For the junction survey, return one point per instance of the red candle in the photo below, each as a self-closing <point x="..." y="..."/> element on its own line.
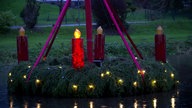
<point x="77" y="50"/>
<point x="22" y="46"/>
<point x="99" y="45"/>
<point x="160" y="45"/>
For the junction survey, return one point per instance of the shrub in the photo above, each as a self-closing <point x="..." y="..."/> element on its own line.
<point x="7" y="18"/>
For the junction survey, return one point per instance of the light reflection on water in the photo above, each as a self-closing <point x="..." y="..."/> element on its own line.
<point x="161" y="100"/>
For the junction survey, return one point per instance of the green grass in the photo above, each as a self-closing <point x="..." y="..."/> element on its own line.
<point x="176" y="30"/>
<point x="47" y="15"/>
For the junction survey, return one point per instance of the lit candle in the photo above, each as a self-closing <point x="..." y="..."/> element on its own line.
<point x="22" y="46"/>
<point x="77" y="50"/>
<point x="160" y="45"/>
<point x="99" y="44"/>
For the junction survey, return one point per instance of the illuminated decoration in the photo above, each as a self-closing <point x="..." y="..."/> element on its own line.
<point x="10" y="74"/>
<point x="29" y="66"/>
<point x="60" y="67"/>
<point x="24" y="76"/>
<point x="165" y="70"/>
<point x="22" y="46"/>
<point x="177" y="82"/>
<point x="77" y="50"/>
<point x="135" y="84"/>
<point x="91" y="86"/>
<point x="37" y="81"/>
<point x="99" y="44"/>
<point x="160" y="45"/>
<point x="11" y="80"/>
<point x="172" y="75"/>
<point x="154" y="103"/>
<point x="102" y="75"/>
<point x="75" y="87"/>
<point x="108" y="73"/>
<point x="153" y="82"/>
<point x="142" y="72"/>
<point x="136" y="58"/>
<point x="120" y="81"/>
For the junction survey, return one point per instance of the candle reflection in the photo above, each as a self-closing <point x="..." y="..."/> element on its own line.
<point x="11" y="104"/>
<point x="172" y="102"/>
<point x="135" y="104"/>
<point x="75" y="105"/>
<point x="120" y="105"/>
<point x="91" y="104"/>
<point x="38" y="105"/>
<point x="155" y="103"/>
<point x="25" y="105"/>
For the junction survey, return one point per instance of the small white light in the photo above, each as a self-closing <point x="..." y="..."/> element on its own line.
<point x="75" y="87"/>
<point x="24" y="76"/>
<point x="172" y="75"/>
<point x="135" y="84"/>
<point x="29" y="66"/>
<point x="37" y="81"/>
<point x="108" y="73"/>
<point x="120" y="81"/>
<point x="102" y="75"/>
<point x="60" y="67"/>
<point x="10" y="74"/>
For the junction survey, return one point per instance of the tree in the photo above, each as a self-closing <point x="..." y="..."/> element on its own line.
<point x="121" y="7"/>
<point x="30" y="13"/>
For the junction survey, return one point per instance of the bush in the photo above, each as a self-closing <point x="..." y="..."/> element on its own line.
<point x="7" y="19"/>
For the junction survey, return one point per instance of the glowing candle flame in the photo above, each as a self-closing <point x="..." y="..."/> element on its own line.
<point x="77" y="34"/>
<point x="99" y="30"/>
<point x="159" y="30"/>
<point x="22" y="32"/>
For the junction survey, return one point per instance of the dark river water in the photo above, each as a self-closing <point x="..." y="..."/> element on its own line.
<point x="181" y="97"/>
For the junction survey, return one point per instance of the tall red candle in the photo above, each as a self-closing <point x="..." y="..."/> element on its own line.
<point x="77" y="50"/>
<point x="160" y="45"/>
<point x="99" y="45"/>
<point x="22" y="46"/>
